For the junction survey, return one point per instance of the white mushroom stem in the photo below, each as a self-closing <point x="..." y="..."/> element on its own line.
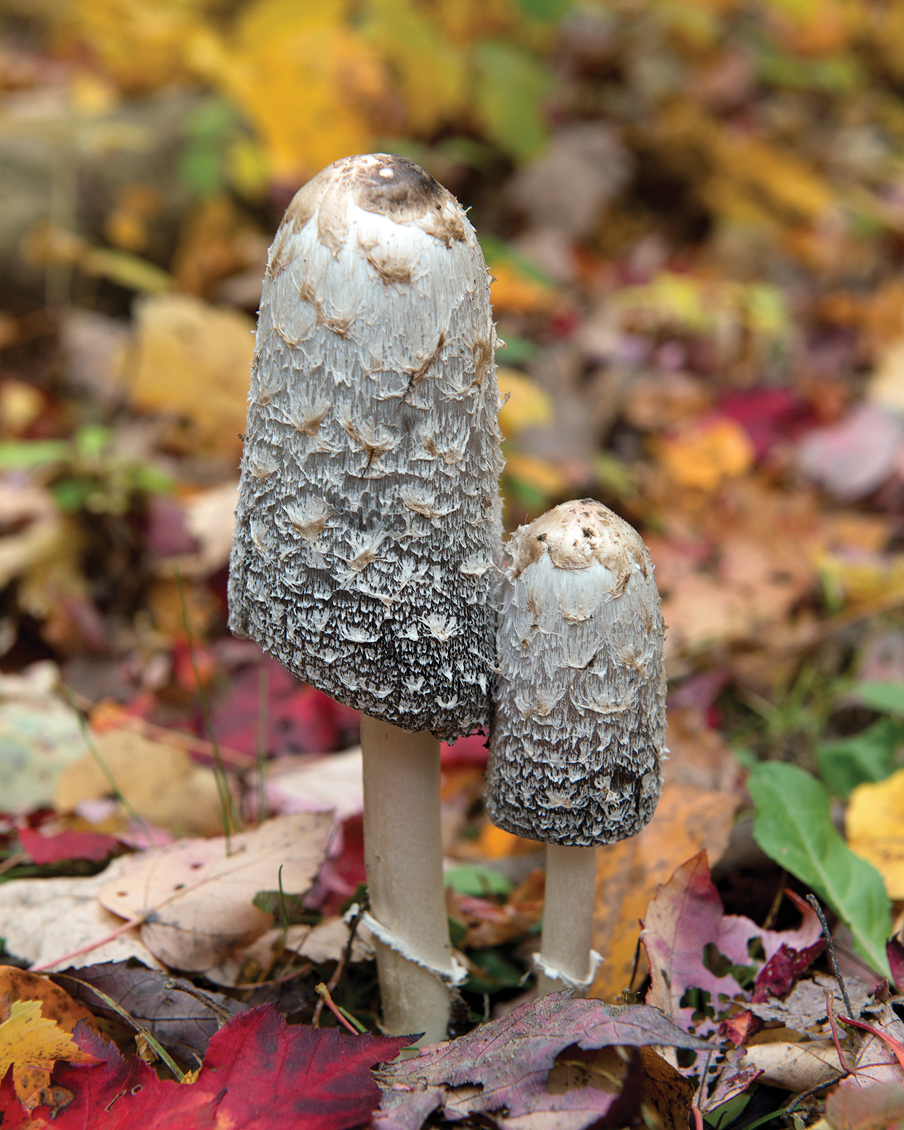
<point x="404" y="860"/>
<point x="567" y="938"/>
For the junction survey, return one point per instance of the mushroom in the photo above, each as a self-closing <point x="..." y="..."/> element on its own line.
<point x="579" y="722"/>
<point x="368" y="523"/>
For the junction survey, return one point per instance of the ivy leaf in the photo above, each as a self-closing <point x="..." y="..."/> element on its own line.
<point x="794" y="827"/>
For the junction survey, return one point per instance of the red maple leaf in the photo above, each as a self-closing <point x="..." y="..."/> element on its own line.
<point x="259" y="1074"/>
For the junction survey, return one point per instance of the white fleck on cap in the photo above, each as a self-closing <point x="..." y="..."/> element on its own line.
<point x="369" y="490"/>
<point x="579" y="723"/>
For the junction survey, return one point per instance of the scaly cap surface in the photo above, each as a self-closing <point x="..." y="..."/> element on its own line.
<point x="368" y="522"/>
<point x="579" y="722"/>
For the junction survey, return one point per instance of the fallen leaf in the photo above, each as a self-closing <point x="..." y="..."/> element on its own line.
<point x="38" y="740"/>
<point x="879" y="1107"/>
<point x="629" y="873"/>
<point x="793" y="825"/>
<point x="704" y="453"/>
<point x="68" y="844"/>
<point x="874" y="827"/>
<point x="56" y="1004"/>
<point x="327" y="941"/>
<point x="853" y="458"/>
<point x="44" y="921"/>
<point x="160" y="781"/>
<point x="804" y="1008"/>
<point x="258" y="1073"/>
<point x="794" y="1067"/>
<point x="192" y="359"/>
<point x="194" y="899"/>
<point x="31" y="1045"/>
<point x="329" y="784"/>
<point x="177" y="1014"/>
<point x="523" y="402"/>
<point x="697" y="952"/>
<point x="500" y="1069"/>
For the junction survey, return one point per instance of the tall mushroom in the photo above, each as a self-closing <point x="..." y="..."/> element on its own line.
<point x="368" y="521"/>
<point x="579" y="722"/>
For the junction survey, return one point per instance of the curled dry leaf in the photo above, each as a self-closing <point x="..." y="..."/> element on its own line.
<point x="193" y="899"/>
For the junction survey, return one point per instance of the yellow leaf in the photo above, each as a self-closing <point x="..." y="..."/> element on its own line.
<point x="140" y="44"/>
<point x="874" y="824"/>
<point x="495" y="843"/>
<point x="512" y="292"/>
<point x="429" y="71"/>
<point x="532" y="471"/>
<point x="523" y="402"/>
<point x="193" y="360"/>
<point x="864" y="576"/>
<point x="706" y="453"/>
<point x="306" y="82"/>
<point x="32" y="1045"/>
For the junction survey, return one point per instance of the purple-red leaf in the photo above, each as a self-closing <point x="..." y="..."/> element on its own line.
<point x="94" y="846"/>
<point x="501" y="1068"/>
<point x="259" y="1074"/>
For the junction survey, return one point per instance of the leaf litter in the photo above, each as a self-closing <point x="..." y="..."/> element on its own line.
<point x="697" y="280"/>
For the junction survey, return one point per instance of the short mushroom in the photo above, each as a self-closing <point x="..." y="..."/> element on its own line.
<point x="579" y="722"/>
<point x="368" y="524"/>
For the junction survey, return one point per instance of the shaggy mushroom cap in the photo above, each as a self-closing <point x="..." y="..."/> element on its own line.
<point x="368" y="521"/>
<point x="578" y="729"/>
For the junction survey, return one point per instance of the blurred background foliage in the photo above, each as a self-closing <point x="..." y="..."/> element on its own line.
<point x="692" y="210"/>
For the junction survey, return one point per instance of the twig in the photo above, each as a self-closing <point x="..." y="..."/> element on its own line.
<point x="343" y="960"/>
<point x="830" y="945"/>
<point x="324" y="994"/>
<point x="302" y="971"/>
<point x="223" y="1015"/>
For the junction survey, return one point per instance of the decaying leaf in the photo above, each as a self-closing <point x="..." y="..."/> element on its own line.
<point x="500" y="1069"/>
<point x="702" y="960"/>
<point x="795" y="1067"/>
<point x="177" y="1014"/>
<point x="193" y="899"/>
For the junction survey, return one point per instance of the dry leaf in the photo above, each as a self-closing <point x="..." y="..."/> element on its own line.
<point x="160" y="781"/>
<point x="329" y="784"/>
<point x="874" y="825"/>
<point x="32" y="1044"/>
<point x="44" y="921"/>
<point x="193" y="360"/>
<point x="56" y="1004"/>
<point x="194" y="900"/>
<point x="795" y="1067"/>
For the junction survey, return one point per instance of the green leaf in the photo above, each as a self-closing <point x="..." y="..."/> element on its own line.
<point x="885" y="696"/>
<point x="478" y="880"/>
<point x="547" y="10"/>
<point x="793" y="826"/>
<point x="847" y="763"/>
<point x="510" y="85"/>
<point x="26" y="454"/>
<point x="496" y="972"/>
<point x="287" y="910"/>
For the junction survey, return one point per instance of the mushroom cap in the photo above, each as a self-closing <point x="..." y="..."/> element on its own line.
<point x="368" y="521"/>
<point x="579" y="721"/>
